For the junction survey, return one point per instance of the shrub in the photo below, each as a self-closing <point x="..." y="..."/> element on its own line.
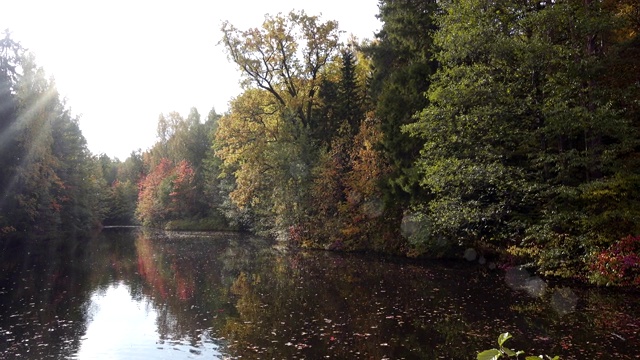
<point x="619" y="264"/>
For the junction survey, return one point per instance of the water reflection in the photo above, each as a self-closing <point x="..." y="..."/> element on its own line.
<point x="134" y="295"/>
<point x="43" y="288"/>
<point x="120" y="327"/>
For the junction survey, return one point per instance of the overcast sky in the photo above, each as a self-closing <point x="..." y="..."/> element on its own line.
<point x="120" y="63"/>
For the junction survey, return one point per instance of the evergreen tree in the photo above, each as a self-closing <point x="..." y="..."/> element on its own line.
<point x="402" y="65"/>
<point x="350" y="105"/>
<point x="10" y="54"/>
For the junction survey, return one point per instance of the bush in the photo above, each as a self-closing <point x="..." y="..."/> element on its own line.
<point x="619" y="264"/>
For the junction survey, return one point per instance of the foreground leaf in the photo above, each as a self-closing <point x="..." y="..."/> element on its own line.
<point x="492" y="354"/>
<point x="503" y="337"/>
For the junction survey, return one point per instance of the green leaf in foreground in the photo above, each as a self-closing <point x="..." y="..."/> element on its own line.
<point x="492" y="354"/>
<point x="503" y="337"/>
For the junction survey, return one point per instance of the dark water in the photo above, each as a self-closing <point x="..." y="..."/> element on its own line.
<point x="131" y="295"/>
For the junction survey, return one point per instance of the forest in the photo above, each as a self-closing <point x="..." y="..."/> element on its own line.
<point x="510" y="127"/>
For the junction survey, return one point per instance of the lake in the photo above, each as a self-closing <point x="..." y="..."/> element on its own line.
<point x="133" y="294"/>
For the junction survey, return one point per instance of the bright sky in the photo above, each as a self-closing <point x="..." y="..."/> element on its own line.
<point x="120" y="327"/>
<point x="121" y="63"/>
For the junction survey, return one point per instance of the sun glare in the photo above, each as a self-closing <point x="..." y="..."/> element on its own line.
<point x="121" y="64"/>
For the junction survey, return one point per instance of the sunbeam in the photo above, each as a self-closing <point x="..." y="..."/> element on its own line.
<point x="32" y="116"/>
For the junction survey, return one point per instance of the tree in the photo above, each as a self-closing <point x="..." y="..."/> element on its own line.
<point x="132" y="169"/>
<point x="217" y="186"/>
<point x="474" y="127"/>
<point x="48" y="180"/>
<point x="265" y="142"/>
<point x="181" y="138"/>
<point x="183" y="142"/>
<point x="82" y="194"/>
<point x="122" y="200"/>
<point x="153" y="195"/>
<point x="257" y="146"/>
<point x="121" y="181"/>
<point x="369" y="224"/>
<point x="587" y="133"/>
<point x="285" y="58"/>
<point x="167" y="193"/>
<point x="349" y="95"/>
<point x="523" y="140"/>
<point x="402" y="64"/>
<point x="109" y="168"/>
<point x="11" y="53"/>
<point x="341" y="99"/>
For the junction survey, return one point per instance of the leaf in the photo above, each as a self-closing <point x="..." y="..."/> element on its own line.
<point x="509" y="352"/>
<point x="533" y="358"/>
<point x="492" y="354"/>
<point x="503" y="337"/>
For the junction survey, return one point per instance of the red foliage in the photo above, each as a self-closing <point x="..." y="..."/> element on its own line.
<point x="167" y="192"/>
<point x="182" y="194"/>
<point x="620" y="263"/>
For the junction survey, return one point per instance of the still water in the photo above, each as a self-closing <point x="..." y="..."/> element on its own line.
<point x="148" y="295"/>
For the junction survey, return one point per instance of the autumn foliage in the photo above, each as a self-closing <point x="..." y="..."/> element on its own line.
<point x="349" y="212"/>
<point x="619" y="264"/>
<point x="166" y="193"/>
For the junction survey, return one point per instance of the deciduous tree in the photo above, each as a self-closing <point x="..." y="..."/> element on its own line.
<point x="285" y="57"/>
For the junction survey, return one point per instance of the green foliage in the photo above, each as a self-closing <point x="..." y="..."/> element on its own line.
<point x="523" y="144"/>
<point x="503" y="351"/>
<point x="180" y="139"/>
<point x="50" y="182"/>
<point x="341" y="101"/>
<point x="474" y="132"/>
<point x="349" y="100"/>
<point x="402" y="64"/>
<point x="423" y="241"/>
<point x="265" y="142"/>
<point x="122" y="200"/>
<point x="120" y="183"/>
<point x="267" y="153"/>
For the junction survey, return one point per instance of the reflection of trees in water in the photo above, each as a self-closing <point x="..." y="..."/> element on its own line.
<point x="578" y="323"/>
<point x="282" y="304"/>
<point x="316" y="304"/>
<point x="187" y="278"/>
<point x="43" y="298"/>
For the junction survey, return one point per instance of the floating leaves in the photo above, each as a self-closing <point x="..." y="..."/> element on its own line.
<point x="247" y="300"/>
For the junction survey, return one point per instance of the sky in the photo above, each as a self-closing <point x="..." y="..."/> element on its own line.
<point x="121" y="63"/>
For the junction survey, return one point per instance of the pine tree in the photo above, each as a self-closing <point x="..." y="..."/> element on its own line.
<point x="350" y="108"/>
<point x="402" y="66"/>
